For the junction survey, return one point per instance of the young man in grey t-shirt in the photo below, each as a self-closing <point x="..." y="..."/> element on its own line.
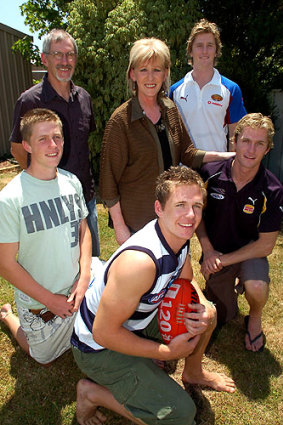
<point x="45" y="243"/>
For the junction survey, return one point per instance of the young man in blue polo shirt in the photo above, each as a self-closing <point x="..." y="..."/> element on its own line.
<point x="240" y="226"/>
<point x="210" y="104"/>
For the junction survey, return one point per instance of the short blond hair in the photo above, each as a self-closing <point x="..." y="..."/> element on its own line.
<point x="144" y="50"/>
<point x="177" y="176"/>
<point x="255" y="120"/>
<point x="34" y="116"/>
<point x="204" y="26"/>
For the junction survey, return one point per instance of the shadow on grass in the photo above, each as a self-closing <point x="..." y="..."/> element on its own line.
<point x="205" y="414"/>
<point x="251" y="371"/>
<point x="40" y="396"/>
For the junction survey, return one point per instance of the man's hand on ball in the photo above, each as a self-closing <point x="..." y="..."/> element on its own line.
<point x="181" y="346"/>
<point x="198" y="320"/>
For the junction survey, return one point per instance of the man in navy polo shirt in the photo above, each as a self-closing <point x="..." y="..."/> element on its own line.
<point x="240" y="226"/>
<point x="74" y="106"/>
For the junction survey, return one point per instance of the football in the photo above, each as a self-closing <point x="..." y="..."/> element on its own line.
<point x="172" y="308"/>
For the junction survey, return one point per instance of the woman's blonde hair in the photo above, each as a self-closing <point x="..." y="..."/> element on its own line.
<point x="144" y="50"/>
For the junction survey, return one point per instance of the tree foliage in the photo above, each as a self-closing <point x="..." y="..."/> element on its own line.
<point x="105" y="31"/>
<point x="251" y="33"/>
<point x="43" y="15"/>
<point x="28" y="50"/>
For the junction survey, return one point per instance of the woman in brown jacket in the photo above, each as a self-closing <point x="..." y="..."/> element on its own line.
<point x="143" y="137"/>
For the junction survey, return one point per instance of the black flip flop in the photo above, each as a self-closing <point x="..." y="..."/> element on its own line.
<point x="252" y="341"/>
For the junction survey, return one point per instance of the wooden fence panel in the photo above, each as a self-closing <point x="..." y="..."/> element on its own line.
<point x="15" y="77"/>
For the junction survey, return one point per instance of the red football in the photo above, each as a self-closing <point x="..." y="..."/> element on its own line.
<point x="172" y="308"/>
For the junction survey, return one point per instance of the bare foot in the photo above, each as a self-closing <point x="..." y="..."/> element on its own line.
<point x="169" y="366"/>
<point x="159" y="363"/>
<point x="214" y="380"/>
<point x="87" y="413"/>
<point x="6" y="309"/>
<point x="254" y="338"/>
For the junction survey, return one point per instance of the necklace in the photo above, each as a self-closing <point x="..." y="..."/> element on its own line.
<point x="153" y="115"/>
<point x="160" y="126"/>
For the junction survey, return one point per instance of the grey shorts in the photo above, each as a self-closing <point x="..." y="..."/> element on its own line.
<point x="139" y="385"/>
<point x="222" y="288"/>
<point x="47" y="340"/>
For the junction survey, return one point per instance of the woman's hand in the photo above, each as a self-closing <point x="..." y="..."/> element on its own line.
<point x="122" y="233"/>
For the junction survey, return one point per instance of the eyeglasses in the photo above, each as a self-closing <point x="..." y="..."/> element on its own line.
<point x="70" y="56"/>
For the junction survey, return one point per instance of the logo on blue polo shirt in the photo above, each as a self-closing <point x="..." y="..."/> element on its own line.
<point x="184" y="98"/>
<point x="216" y="97"/>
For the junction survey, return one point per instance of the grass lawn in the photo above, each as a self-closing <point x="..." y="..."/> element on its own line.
<point x="33" y="395"/>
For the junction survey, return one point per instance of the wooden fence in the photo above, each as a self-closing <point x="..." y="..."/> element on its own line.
<point x="15" y="77"/>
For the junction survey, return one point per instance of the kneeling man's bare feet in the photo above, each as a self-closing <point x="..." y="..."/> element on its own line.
<point x="87" y="413"/>
<point x="214" y="380"/>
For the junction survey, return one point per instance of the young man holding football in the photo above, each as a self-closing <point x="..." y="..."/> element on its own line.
<point x="115" y="335"/>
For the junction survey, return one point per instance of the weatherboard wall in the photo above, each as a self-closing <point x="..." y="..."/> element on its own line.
<point x="15" y="77"/>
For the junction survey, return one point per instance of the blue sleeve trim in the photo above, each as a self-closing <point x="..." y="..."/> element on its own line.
<point x="174" y="86"/>
<point x="236" y="109"/>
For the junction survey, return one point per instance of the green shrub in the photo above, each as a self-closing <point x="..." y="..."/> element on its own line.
<point x="105" y="31"/>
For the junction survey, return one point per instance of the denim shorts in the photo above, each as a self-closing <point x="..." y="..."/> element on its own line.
<point x="47" y="340"/>
<point x="93" y="227"/>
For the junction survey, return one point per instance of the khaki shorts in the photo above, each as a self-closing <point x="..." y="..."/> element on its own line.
<point x="49" y="340"/>
<point x="139" y="385"/>
<point x="222" y="288"/>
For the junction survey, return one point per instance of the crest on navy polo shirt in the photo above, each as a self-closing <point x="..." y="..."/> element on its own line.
<point x="217" y="196"/>
<point x="248" y="209"/>
<point x="218" y="193"/>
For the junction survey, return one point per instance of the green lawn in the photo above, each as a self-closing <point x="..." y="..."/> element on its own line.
<point x="33" y="395"/>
